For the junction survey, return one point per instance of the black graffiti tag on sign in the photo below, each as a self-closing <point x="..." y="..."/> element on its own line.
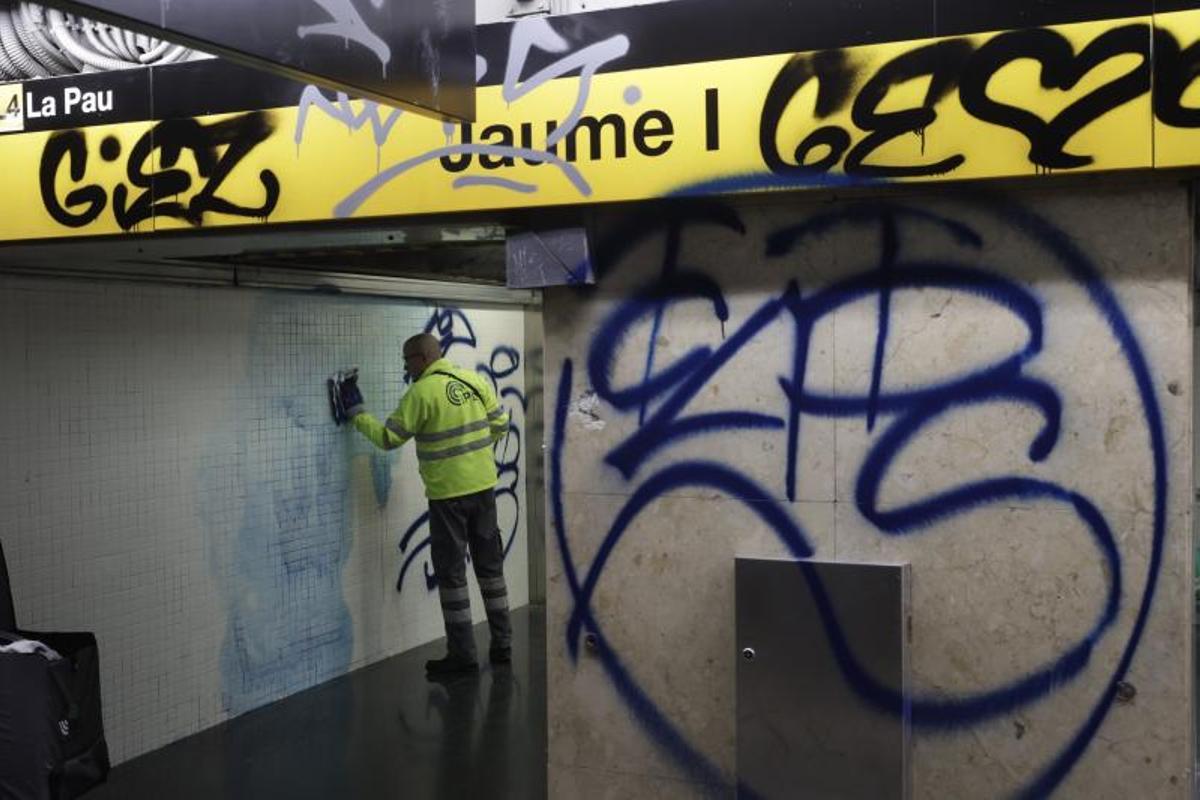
<point x="149" y="191"/>
<point x="968" y="68"/>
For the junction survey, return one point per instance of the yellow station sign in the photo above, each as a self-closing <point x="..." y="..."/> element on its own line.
<point x="1075" y="98"/>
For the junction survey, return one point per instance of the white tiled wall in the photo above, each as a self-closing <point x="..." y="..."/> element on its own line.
<point x="172" y="481"/>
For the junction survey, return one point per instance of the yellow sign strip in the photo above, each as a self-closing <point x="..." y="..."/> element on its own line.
<point x="1072" y="98"/>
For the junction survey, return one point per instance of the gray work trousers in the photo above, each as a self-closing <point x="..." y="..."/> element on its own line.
<point x="457" y="525"/>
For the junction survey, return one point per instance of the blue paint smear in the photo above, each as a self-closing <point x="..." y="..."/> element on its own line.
<point x="381" y="477"/>
<point x="288" y="626"/>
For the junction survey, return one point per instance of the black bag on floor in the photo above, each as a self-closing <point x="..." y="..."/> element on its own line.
<point x="30" y="743"/>
<point x="52" y="743"/>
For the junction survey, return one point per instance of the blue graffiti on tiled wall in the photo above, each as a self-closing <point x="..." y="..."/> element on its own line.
<point x="457" y="337"/>
<point x="287" y="623"/>
<point x="896" y="416"/>
<point x="280" y="552"/>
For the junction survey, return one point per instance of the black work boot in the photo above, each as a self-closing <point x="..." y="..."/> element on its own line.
<point x="450" y="665"/>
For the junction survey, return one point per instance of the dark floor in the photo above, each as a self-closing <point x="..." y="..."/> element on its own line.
<point x="381" y="732"/>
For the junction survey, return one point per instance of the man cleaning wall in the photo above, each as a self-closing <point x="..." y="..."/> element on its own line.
<point x="455" y="418"/>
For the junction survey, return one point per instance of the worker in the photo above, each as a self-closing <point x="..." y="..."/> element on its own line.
<point x="455" y="418"/>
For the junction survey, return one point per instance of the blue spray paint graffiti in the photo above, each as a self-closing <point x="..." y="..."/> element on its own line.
<point x="453" y="329"/>
<point x="900" y="416"/>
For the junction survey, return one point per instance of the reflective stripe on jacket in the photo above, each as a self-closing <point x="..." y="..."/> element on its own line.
<point x="453" y="415"/>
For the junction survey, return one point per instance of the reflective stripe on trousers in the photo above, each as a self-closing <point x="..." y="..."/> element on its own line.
<point x="458" y="525"/>
<point x="456" y="604"/>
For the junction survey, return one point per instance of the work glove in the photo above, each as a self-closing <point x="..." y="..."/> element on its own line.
<point x="345" y="397"/>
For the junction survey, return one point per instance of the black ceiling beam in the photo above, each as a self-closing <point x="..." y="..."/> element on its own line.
<point x="415" y="54"/>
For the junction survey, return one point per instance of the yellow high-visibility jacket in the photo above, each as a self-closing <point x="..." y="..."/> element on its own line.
<point x="455" y="418"/>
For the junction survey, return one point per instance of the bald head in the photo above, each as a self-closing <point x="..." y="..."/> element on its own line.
<point x="425" y="344"/>
<point x="419" y="352"/>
